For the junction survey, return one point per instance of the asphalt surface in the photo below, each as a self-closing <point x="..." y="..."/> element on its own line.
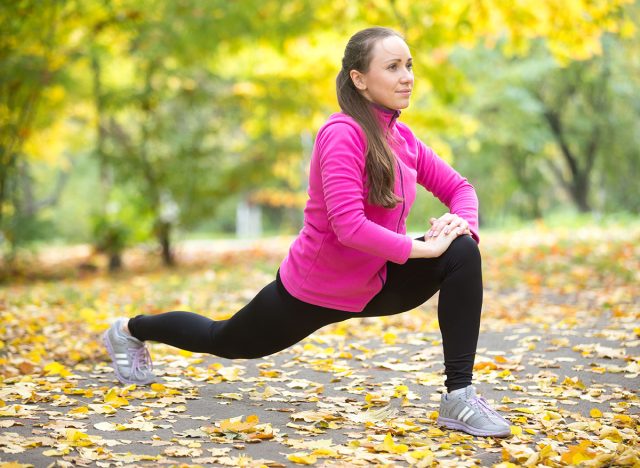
<point x="532" y="353"/>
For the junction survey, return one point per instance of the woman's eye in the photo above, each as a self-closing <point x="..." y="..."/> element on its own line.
<point x="410" y="66"/>
<point x="392" y="67"/>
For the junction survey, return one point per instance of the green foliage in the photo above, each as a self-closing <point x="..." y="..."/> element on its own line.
<point x="552" y="135"/>
<point x="185" y="105"/>
<point x="111" y="236"/>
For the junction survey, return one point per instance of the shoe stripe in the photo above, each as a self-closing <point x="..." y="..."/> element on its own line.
<point x="121" y="355"/>
<point x="463" y="412"/>
<point x="468" y="415"/>
<point x="122" y="362"/>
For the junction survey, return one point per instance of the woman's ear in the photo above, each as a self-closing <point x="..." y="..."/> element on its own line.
<point x="358" y="80"/>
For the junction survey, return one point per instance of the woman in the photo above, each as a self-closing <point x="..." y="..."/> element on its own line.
<point x="353" y="258"/>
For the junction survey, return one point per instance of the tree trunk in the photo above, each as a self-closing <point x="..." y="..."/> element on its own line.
<point x="115" y="262"/>
<point x="580" y="193"/>
<point x="98" y="101"/>
<point x="3" y="178"/>
<point x="163" y="234"/>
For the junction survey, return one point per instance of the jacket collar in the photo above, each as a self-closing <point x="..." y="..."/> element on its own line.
<point x="386" y="115"/>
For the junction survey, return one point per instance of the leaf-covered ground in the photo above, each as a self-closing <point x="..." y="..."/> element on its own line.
<point x="559" y="356"/>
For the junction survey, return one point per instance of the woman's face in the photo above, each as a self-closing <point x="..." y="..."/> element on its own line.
<point x="389" y="80"/>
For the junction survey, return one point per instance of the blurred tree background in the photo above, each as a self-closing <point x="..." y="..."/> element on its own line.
<point x="132" y="121"/>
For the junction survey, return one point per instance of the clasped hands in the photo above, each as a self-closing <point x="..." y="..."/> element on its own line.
<point x="447" y="223"/>
<point x="437" y="240"/>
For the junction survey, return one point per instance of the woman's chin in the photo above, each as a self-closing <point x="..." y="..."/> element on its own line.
<point x="402" y="103"/>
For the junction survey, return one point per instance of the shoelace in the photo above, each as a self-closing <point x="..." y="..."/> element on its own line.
<point x="140" y="361"/>
<point x="481" y="404"/>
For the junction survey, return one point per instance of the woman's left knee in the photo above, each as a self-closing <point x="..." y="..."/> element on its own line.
<point x="465" y="248"/>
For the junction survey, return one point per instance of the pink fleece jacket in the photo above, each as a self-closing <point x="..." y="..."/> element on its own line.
<point x="339" y="258"/>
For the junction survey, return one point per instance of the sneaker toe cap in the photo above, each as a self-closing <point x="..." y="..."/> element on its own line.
<point x="499" y="429"/>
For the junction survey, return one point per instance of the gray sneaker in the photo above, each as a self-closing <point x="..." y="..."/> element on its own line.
<point x="131" y="360"/>
<point x="472" y="414"/>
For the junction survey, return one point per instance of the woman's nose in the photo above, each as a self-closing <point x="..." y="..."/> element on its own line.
<point x="406" y="77"/>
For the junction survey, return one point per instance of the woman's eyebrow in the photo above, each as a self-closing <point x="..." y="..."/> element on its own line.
<point x="410" y="59"/>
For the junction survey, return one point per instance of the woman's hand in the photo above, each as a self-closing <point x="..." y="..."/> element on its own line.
<point x="439" y="244"/>
<point x="447" y="223"/>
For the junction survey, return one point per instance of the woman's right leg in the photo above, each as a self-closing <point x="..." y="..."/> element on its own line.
<point x="271" y="322"/>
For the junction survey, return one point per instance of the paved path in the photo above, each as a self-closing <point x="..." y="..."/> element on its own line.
<point x="306" y="382"/>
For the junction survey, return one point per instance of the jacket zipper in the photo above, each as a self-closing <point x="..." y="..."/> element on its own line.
<point x="401" y="185"/>
<point x="403" y="206"/>
<point x="391" y="121"/>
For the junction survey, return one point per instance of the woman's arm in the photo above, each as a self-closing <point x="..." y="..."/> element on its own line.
<point x="448" y="186"/>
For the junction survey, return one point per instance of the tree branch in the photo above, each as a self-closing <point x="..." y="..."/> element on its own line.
<point x="557" y="172"/>
<point x="401" y="19"/>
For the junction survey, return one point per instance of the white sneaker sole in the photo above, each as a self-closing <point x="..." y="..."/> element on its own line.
<point x="461" y="426"/>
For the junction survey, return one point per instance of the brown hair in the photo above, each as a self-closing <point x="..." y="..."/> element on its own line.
<point x="380" y="161"/>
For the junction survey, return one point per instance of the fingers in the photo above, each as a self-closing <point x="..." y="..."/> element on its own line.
<point x="448" y="223"/>
<point x="438" y="225"/>
<point x="442" y="242"/>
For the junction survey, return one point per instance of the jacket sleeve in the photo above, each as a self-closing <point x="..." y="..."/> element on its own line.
<point x="342" y="167"/>
<point x="448" y="186"/>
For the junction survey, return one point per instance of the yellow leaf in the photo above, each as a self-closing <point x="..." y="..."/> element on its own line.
<point x="390" y="446"/>
<point x="551" y="415"/>
<point x="485" y="365"/>
<point x="73" y="435"/>
<point x="112" y="398"/>
<point x="325" y="452"/>
<point x="578" y="453"/>
<point x="624" y="419"/>
<point x="525" y="410"/>
<point x="56" y="453"/>
<point x="575" y="382"/>
<point x="595" y="413"/>
<point x="102" y="409"/>
<point x="302" y="458"/>
<point x="389" y="338"/>
<point x="611" y="433"/>
<point x="156" y="387"/>
<point x="237" y="425"/>
<point x="80" y="410"/>
<point x="400" y="390"/>
<point x="516" y="430"/>
<point x="34" y="356"/>
<point x="55" y="368"/>
<point x="425" y="455"/>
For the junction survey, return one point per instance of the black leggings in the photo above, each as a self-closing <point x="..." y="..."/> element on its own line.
<point x="275" y="320"/>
